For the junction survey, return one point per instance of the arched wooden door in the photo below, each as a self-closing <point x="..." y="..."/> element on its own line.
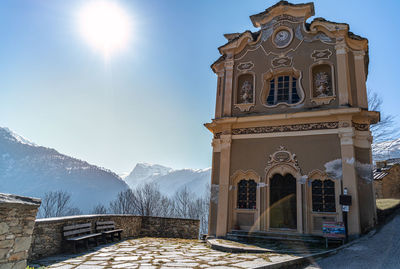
<point x="283" y="208"/>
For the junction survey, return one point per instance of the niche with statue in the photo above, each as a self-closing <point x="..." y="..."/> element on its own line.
<point x="245" y="92"/>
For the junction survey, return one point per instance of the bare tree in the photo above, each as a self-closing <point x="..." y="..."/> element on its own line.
<point x="73" y="211"/>
<point x="123" y="204"/>
<point x="183" y="203"/>
<point x="167" y="207"/>
<point x="147" y="200"/>
<point x="99" y="209"/>
<point x="385" y="128"/>
<point x="57" y="204"/>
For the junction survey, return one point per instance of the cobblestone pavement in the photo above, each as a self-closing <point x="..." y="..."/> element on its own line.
<point x="160" y="253"/>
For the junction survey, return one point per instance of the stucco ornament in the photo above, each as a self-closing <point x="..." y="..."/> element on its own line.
<point x="283" y="162"/>
<point x="282" y="38"/>
<point x="246" y="92"/>
<point x="322" y="84"/>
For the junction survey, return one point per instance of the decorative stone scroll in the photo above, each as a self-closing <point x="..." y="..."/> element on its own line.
<point x="286" y="128"/>
<point x="361" y="126"/>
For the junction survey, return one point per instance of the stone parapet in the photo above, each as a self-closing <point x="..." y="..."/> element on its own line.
<point x="17" y="220"/>
<point x="47" y="235"/>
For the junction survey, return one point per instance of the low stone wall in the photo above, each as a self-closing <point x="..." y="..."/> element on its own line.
<point x="47" y="235"/>
<point x="17" y="219"/>
<point x="170" y="227"/>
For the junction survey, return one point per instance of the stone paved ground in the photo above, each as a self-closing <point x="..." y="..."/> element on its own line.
<point x="160" y="253"/>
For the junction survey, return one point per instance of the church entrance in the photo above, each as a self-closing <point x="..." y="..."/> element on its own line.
<point x="282" y="202"/>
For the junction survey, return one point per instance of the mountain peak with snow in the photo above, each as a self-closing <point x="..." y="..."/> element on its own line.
<point x="6" y="133"/>
<point x="169" y="180"/>
<point x="32" y="170"/>
<point x="386" y="150"/>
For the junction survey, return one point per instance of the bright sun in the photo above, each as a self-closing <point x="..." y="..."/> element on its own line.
<point x="105" y="26"/>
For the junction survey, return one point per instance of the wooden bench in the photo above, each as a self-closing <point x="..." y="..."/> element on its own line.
<point x="107" y="229"/>
<point x="80" y="233"/>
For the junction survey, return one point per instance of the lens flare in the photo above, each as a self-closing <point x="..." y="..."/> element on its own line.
<point x="105" y="25"/>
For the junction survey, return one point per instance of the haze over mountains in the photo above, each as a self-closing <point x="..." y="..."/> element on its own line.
<point x="32" y="170"/>
<point x="386" y="150"/>
<point x="169" y="180"/>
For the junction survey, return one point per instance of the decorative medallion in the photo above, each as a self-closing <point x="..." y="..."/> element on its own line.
<point x="282" y="61"/>
<point x="282" y="38"/>
<point x="245" y="66"/>
<point x="286" y="128"/>
<point x="321" y="54"/>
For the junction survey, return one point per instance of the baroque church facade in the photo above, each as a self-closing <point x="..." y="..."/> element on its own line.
<point x="291" y="127"/>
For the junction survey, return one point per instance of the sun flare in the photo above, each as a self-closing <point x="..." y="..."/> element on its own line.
<point x="105" y="26"/>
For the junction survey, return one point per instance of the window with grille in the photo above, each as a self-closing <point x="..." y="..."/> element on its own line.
<point x="247" y="193"/>
<point x="323" y="196"/>
<point x="283" y="89"/>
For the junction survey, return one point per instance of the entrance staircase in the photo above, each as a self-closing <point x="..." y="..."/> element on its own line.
<point x="286" y="242"/>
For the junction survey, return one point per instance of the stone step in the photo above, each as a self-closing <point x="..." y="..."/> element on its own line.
<point x="275" y="236"/>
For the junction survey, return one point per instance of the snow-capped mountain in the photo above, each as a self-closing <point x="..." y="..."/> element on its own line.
<point x="170" y="180"/>
<point x="386" y="150"/>
<point x="32" y="170"/>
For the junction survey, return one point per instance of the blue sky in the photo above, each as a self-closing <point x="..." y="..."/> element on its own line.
<point x="147" y="103"/>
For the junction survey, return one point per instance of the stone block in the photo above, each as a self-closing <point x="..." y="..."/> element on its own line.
<point x="22" y="243"/>
<point x="6" y="243"/>
<point x="3" y="228"/>
<point x="20" y="265"/>
<point x="22" y="255"/>
<point x="3" y="253"/>
<point x="7" y="265"/>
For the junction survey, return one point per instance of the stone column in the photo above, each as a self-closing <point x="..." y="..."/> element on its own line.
<point x="362" y="100"/>
<point x="223" y="197"/>
<point x="349" y="178"/>
<point x="17" y="220"/>
<point x="228" y="91"/>
<point x="220" y="91"/>
<point x="343" y="74"/>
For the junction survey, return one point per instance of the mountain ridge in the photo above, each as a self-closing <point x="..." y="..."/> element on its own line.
<point x="40" y="169"/>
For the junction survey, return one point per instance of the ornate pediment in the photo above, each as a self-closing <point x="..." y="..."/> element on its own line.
<point x="283" y="161"/>
<point x="283" y="10"/>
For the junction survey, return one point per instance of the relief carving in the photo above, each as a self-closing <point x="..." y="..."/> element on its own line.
<point x="286" y="128"/>
<point x="321" y="54"/>
<point x="283" y="161"/>
<point x="245" y="66"/>
<point x="281" y="62"/>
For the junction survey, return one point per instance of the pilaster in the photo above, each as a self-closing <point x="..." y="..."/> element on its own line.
<point x="223" y="197"/>
<point x="359" y="63"/>
<point x="349" y="178"/>
<point x="220" y="90"/>
<point x="343" y="73"/>
<point x="227" y="106"/>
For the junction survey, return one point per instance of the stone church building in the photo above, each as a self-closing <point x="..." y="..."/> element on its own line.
<point x="291" y="127"/>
